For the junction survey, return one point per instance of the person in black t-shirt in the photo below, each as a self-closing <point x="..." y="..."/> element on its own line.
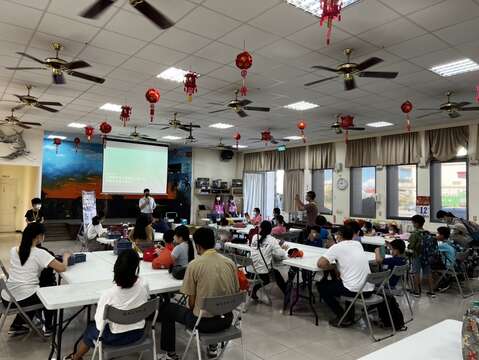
<point x="35" y="214"/>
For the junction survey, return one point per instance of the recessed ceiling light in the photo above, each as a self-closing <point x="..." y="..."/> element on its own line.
<point x="76" y="125"/>
<point x="455" y="67"/>
<point x="53" y="136"/>
<point x="379" y="124"/>
<point x="173" y="74"/>
<point x="294" y="137"/>
<point x="221" y="126"/>
<point x="171" y="137"/>
<point x="301" y="106"/>
<point x="314" y="6"/>
<point x="241" y="146"/>
<point x="111" y="107"/>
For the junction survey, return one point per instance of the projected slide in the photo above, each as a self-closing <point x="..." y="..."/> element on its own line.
<point x="130" y="167"/>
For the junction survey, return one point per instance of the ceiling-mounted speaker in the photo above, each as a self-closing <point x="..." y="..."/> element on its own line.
<point x="226" y="155"/>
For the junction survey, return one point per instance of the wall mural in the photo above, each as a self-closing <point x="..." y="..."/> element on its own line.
<point x="16" y="144"/>
<point x="66" y="173"/>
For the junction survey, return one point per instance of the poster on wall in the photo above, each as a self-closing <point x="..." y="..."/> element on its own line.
<point x="423" y="205"/>
<point x="88" y="206"/>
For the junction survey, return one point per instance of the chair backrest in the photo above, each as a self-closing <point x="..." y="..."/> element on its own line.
<point x="243" y="261"/>
<point x="461" y="256"/>
<point x="125" y="317"/>
<point x="4" y="269"/>
<point x="220" y="305"/>
<point x="378" y="278"/>
<point x="400" y="270"/>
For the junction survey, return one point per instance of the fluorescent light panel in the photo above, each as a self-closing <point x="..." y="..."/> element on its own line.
<point x="294" y="137"/>
<point x="111" y="107"/>
<point x="171" y="137"/>
<point x="241" y="146"/>
<point x="173" y="74"/>
<point x="221" y="126"/>
<point x="455" y="67"/>
<point x="301" y="106"/>
<point x="314" y="6"/>
<point x="76" y="125"/>
<point x="53" y="136"/>
<point x="379" y="124"/>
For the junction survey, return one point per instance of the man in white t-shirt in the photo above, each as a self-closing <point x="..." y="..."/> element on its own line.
<point x="350" y="260"/>
<point x="147" y="203"/>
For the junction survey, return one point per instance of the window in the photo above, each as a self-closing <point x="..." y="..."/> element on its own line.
<point x="449" y="188"/>
<point x="263" y="190"/>
<point x="278" y="199"/>
<point x="401" y="191"/>
<point x="363" y="190"/>
<point x="322" y="185"/>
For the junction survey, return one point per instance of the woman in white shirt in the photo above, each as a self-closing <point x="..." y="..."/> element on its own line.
<point x="264" y="250"/>
<point x="26" y="264"/>
<point x="129" y="293"/>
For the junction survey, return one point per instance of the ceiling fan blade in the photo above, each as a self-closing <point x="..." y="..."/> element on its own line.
<point x="429" y="114"/>
<point x="22" y="125"/>
<point x="474" y="108"/>
<point x="379" y="74"/>
<point x="454" y="114"/>
<point x="25" y="68"/>
<point x="257" y="108"/>
<point x="285" y="140"/>
<point x="368" y="63"/>
<point x="320" y="81"/>
<point x="184" y="128"/>
<point x="356" y="128"/>
<point x="349" y="84"/>
<point x="216" y="111"/>
<point x="242" y="114"/>
<point x="96" y="9"/>
<point x="319" y="67"/>
<point x="86" y="77"/>
<point x="45" y="108"/>
<point x="244" y="102"/>
<point x="463" y="103"/>
<point x="80" y="64"/>
<point x="274" y="141"/>
<point x="18" y="107"/>
<point x="31" y="57"/>
<point x="154" y="15"/>
<point x="31" y="123"/>
<point x="58" y="78"/>
<point x="49" y="103"/>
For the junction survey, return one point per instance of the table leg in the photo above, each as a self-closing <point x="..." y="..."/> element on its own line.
<point x="88" y="314"/>
<point x="59" y="334"/>
<point x="309" y="284"/>
<point x="54" y="335"/>
<point x="293" y="303"/>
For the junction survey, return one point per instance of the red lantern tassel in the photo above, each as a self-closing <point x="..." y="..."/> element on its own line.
<point x="244" y="89"/>
<point x="346" y="136"/>
<point x="152" y="112"/>
<point x="408" y="124"/>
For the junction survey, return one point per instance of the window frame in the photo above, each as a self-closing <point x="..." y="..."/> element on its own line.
<point x="351" y="191"/>
<point x="387" y="193"/>
<point x="465" y="158"/>
<point x="332" y="189"/>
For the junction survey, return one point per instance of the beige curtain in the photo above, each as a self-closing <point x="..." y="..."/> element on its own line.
<point x="443" y="144"/>
<point x="477" y="144"/>
<point x="253" y="162"/>
<point x="293" y="184"/>
<point x="362" y="152"/>
<point x="400" y="149"/>
<point x="322" y="156"/>
<point x="273" y="160"/>
<point x="295" y="158"/>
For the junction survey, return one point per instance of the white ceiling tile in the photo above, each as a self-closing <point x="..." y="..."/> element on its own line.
<point x="417" y="46"/>
<point x="143" y="66"/>
<point x="207" y="23"/>
<point x="284" y="20"/>
<point x="37" y="4"/>
<point x="129" y="75"/>
<point x="118" y="43"/>
<point x="461" y="33"/>
<point x="305" y="61"/>
<point x="361" y="49"/>
<point x="133" y="25"/>
<point x="208" y="82"/>
<point x="313" y="37"/>
<point x="70" y="29"/>
<point x="283" y="49"/>
<point x="417" y="78"/>
<point x="173" y="9"/>
<point x="43" y="41"/>
<point x="408" y="6"/>
<point x="160" y="54"/>
<point x="72" y="9"/>
<point x="182" y="40"/>
<point x="219" y="52"/>
<point x="15" y="34"/>
<point x="102" y="56"/>
<point x="436" y="58"/>
<point x="248" y="36"/>
<point x="284" y="73"/>
<point x="393" y="32"/>
<point x="16" y="14"/>
<point x="226" y="73"/>
<point x="445" y="14"/>
<point x="240" y="10"/>
<point x="198" y="64"/>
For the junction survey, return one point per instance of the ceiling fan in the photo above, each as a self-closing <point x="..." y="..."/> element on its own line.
<point x="452" y="108"/>
<point x="267" y="137"/>
<point x="349" y="69"/>
<point x="222" y="146"/>
<point x="142" y="6"/>
<point x="12" y="120"/>
<point x="30" y="100"/>
<point x="190" y="139"/>
<point x="345" y="123"/>
<point x="239" y="106"/>
<point x="176" y="124"/>
<point x="59" y="67"/>
<point x="135" y="135"/>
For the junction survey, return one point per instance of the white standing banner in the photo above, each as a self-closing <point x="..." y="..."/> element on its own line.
<point x="88" y="206"/>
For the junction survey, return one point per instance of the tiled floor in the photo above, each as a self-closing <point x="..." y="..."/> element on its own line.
<point x="269" y="334"/>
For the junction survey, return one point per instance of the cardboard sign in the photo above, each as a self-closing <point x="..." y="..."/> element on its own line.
<point x="423" y="205"/>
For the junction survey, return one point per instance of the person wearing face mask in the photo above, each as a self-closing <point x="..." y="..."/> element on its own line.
<point x="147" y="203"/>
<point x="35" y="214"/>
<point x="218" y="207"/>
<point x="231" y="209"/>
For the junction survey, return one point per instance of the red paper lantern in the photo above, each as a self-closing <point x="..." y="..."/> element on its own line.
<point x="105" y="128"/>
<point x="190" y="84"/>
<point x="477" y="93"/>
<point x="244" y="61"/>
<point x="331" y="11"/>
<point x="125" y="114"/>
<point x="57" y="142"/>
<point x="347" y="121"/>
<point x="89" y="132"/>
<point x="152" y="96"/>
<point x="237" y="137"/>
<point x="266" y="136"/>
<point x="301" y="126"/>
<point x="76" y="141"/>
<point x="406" y="108"/>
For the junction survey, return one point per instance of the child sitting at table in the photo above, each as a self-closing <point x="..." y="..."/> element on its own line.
<point x="142" y="234"/>
<point x="398" y="247"/>
<point x="183" y="252"/>
<point x="129" y="293"/>
<point x="168" y="238"/>
<point x="280" y="227"/>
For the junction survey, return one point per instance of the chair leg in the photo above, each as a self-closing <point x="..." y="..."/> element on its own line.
<point x="243" y="347"/>
<point x="198" y="346"/>
<point x="193" y="334"/>
<point x="406" y="295"/>
<point x="370" y="327"/>
<point x="346" y="312"/>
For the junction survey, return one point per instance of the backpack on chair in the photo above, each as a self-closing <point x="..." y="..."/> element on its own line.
<point x="429" y="249"/>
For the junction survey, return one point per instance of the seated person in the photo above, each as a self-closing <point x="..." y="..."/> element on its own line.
<point x="27" y="262"/>
<point x="280" y="227"/>
<point x="368" y="229"/>
<point x="158" y="222"/>
<point x="35" y="214"/>
<point x="398" y="247"/>
<point x="257" y="218"/>
<point x="209" y="275"/>
<point x="353" y="266"/>
<point x="393" y="229"/>
<point x="223" y="234"/>
<point x="129" y="292"/>
<point x="142" y="234"/>
<point x="183" y="252"/>
<point x="447" y="251"/>
<point x="357" y="231"/>
<point x="231" y="210"/>
<point x="93" y="232"/>
<point x="169" y="238"/>
<point x="218" y="207"/>
<point x="265" y="249"/>
<point x="314" y="237"/>
<point x="276" y="213"/>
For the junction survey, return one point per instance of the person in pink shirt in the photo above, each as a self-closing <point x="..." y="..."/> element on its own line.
<point x="231" y="208"/>
<point x="257" y="218"/>
<point x="218" y="206"/>
<point x="280" y="227"/>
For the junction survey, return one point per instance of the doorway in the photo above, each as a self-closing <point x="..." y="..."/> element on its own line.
<point x="8" y="210"/>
